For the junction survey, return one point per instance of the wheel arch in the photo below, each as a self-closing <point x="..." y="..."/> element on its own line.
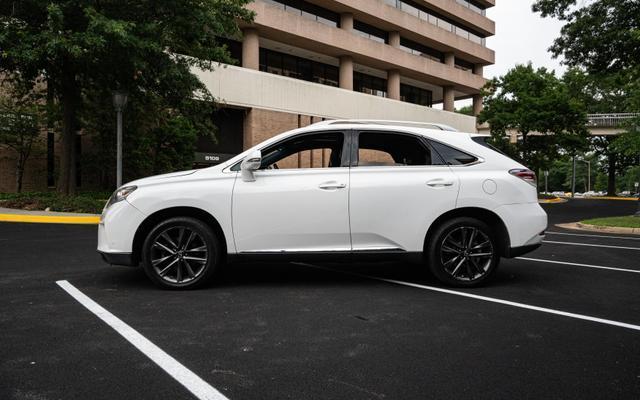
<point x="489" y="217"/>
<point x="153" y="219"/>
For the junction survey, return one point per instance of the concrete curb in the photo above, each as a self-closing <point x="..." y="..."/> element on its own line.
<point x="579" y="226"/>
<point x="608" y="198"/>
<point x="47" y="217"/>
<point x="552" y="201"/>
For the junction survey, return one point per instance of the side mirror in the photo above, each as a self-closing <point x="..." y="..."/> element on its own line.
<point x="251" y="163"/>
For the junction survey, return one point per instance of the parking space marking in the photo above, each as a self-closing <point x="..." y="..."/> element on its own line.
<point x="488" y="299"/>
<point x="595" y="236"/>
<point x="591" y="245"/>
<point x="579" y="265"/>
<point x="192" y="382"/>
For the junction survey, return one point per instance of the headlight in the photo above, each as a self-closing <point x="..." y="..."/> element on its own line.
<point x="120" y="195"/>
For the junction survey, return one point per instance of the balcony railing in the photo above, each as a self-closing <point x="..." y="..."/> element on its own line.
<point x="472" y="7"/>
<point x="439" y="22"/>
<point x="614" y="120"/>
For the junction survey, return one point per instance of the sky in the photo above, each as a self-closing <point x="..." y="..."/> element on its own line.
<point x="521" y="36"/>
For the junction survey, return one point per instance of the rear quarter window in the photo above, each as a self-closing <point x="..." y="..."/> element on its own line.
<point x="451" y="155"/>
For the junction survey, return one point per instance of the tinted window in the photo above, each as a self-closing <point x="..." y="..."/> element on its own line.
<point x="391" y="149"/>
<point x="452" y="156"/>
<point x="319" y="150"/>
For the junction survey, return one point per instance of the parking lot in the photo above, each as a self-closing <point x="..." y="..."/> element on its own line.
<point x="562" y="322"/>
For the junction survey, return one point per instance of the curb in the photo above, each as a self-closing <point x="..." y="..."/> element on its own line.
<point x="609" y="198"/>
<point x="88" y="219"/>
<point x="579" y="226"/>
<point x="552" y="201"/>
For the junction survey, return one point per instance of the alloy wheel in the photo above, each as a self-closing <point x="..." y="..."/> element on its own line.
<point x="466" y="253"/>
<point x="179" y="255"/>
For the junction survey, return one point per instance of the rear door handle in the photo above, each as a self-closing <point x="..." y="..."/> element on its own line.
<point x="332" y="185"/>
<point x="439" y="183"/>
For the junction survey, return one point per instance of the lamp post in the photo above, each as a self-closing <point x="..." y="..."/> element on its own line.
<point x="119" y="102"/>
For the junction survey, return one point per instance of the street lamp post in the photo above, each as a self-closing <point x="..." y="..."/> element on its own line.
<point x="119" y="102"/>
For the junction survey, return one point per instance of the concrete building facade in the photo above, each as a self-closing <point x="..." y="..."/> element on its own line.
<point x="302" y="61"/>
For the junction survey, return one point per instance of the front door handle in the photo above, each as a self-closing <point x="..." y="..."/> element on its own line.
<point x="332" y="185"/>
<point x="439" y="183"/>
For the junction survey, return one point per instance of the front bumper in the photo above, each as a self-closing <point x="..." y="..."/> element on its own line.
<point x="116" y="231"/>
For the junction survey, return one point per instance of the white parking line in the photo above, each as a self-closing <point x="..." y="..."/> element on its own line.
<point x="579" y="265"/>
<point x="595" y="236"/>
<point x="201" y="389"/>
<point x="591" y="245"/>
<point x="489" y="299"/>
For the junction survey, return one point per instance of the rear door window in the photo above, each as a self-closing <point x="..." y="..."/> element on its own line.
<point x="385" y="149"/>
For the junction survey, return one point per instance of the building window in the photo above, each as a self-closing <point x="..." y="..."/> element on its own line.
<point x="473" y="6"/>
<point x="299" y="68"/>
<point x="416" y="95"/>
<point x="369" y="84"/>
<point x="421" y="50"/>
<point x="370" y="32"/>
<point x="436" y="19"/>
<point x="307" y="10"/>
<point x="463" y="65"/>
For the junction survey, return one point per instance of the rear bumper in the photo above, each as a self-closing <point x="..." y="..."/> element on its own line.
<point x="521" y="250"/>
<point x="125" y="259"/>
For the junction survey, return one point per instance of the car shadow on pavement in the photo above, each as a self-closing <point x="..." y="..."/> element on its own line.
<point x="301" y="274"/>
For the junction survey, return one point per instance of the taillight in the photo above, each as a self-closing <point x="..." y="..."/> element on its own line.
<point x="526" y="175"/>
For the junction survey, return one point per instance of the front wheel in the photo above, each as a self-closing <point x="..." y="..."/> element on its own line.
<point x="463" y="252"/>
<point x="181" y="253"/>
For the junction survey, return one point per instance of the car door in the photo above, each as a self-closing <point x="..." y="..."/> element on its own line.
<point x="299" y="199"/>
<point x="399" y="186"/>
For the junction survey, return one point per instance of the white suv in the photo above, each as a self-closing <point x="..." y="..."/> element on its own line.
<point x="334" y="189"/>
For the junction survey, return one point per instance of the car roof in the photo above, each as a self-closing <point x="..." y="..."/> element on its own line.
<point x="391" y="123"/>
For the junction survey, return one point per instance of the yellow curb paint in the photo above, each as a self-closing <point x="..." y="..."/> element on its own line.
<point x="556" y="200"/>
<point x="612" y="198"/>
<point x="49" y="219"/>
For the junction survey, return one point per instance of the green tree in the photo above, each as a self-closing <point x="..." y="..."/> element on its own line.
<point x="21" y="118"/>
<point x="537" y="105"/>
<point x="466" y="110"/>
<point x="602" y="38"/>
<point x="146" y="47"/>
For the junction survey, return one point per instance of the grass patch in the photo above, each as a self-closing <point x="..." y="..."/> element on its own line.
<point x="546" y="196"/>
<point x="85" y="202"/>
<point x="617" y="222"/>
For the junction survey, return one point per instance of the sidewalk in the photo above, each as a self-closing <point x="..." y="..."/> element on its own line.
<point x="47" y="217"/>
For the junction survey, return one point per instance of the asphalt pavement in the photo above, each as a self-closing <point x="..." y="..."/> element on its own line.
<point x="562" y="322"/>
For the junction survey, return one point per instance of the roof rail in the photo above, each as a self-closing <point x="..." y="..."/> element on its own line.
<point x="411" y="124"/>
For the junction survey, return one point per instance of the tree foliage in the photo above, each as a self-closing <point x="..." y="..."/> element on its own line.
<point x="21" y="117"/>
<point x="85" y="48"/>
<point x="601" y="35"/>
<point x="602" y="38"/>
<point x="538" y="106"/>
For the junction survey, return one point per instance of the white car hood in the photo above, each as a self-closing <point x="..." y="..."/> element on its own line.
<point x="163" y="177"/>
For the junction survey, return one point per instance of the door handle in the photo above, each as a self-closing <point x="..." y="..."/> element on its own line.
<point x="439" y="183"/>
<point x="332" y="185"/>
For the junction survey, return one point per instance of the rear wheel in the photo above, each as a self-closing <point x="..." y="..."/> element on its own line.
<point x="181" y="253"/>
<point x="463" y="252"/>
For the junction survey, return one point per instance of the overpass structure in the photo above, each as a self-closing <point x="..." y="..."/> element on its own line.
<point x="598" y="124"/>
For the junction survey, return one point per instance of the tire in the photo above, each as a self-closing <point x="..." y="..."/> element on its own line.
<point x="181" y="253"/>
<point x="463" y="252"/>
